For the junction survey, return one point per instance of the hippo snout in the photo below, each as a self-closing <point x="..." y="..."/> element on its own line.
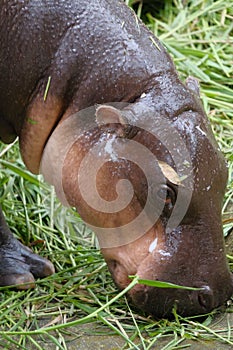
<point x="207" y="274"/>
<point x="160" y="302"/>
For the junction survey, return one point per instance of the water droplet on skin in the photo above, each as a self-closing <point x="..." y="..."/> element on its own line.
<point x="153" y="245"/>
<point x="164" y="253"/>
<point x="110" y="150"/>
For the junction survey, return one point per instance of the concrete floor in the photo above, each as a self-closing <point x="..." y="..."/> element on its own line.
<point x="85" y="340"/>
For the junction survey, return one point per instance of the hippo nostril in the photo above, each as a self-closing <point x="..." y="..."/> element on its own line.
<point x="202" y="300"/>
<point x="119" y="273"/>
<point x="206" y="298"/>
<point x="112" y="265"/>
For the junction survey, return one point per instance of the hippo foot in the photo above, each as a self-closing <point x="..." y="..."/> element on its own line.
<point x="20" y="266"/>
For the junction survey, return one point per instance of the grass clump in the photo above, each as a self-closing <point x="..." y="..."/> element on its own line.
<point x="80" y="299"/>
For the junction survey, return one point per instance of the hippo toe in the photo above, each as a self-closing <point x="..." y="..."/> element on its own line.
<point x="19" y="265"/>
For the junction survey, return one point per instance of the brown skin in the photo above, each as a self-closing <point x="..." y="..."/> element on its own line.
<point x="108" y="56"/>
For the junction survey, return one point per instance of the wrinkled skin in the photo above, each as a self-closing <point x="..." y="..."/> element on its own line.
<point x="96" y="56"/>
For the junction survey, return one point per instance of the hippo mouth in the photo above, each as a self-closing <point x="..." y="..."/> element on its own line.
<point x="148" y="258"/>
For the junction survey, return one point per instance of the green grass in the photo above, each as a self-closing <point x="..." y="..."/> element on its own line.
<point x="199" y="37"/>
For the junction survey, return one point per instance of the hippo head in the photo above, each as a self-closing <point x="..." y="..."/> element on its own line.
<point x="152" y="191"/>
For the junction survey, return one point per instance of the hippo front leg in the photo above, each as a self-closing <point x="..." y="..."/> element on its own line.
<point x="19" y="266"/>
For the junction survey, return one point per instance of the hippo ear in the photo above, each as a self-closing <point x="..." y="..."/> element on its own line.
<point x="109" y="115"/>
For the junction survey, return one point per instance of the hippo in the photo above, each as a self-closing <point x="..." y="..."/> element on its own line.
<point x="100" y="111"/>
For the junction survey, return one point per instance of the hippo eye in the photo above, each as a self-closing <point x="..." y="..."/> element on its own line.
<point x="167" y="194"/>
